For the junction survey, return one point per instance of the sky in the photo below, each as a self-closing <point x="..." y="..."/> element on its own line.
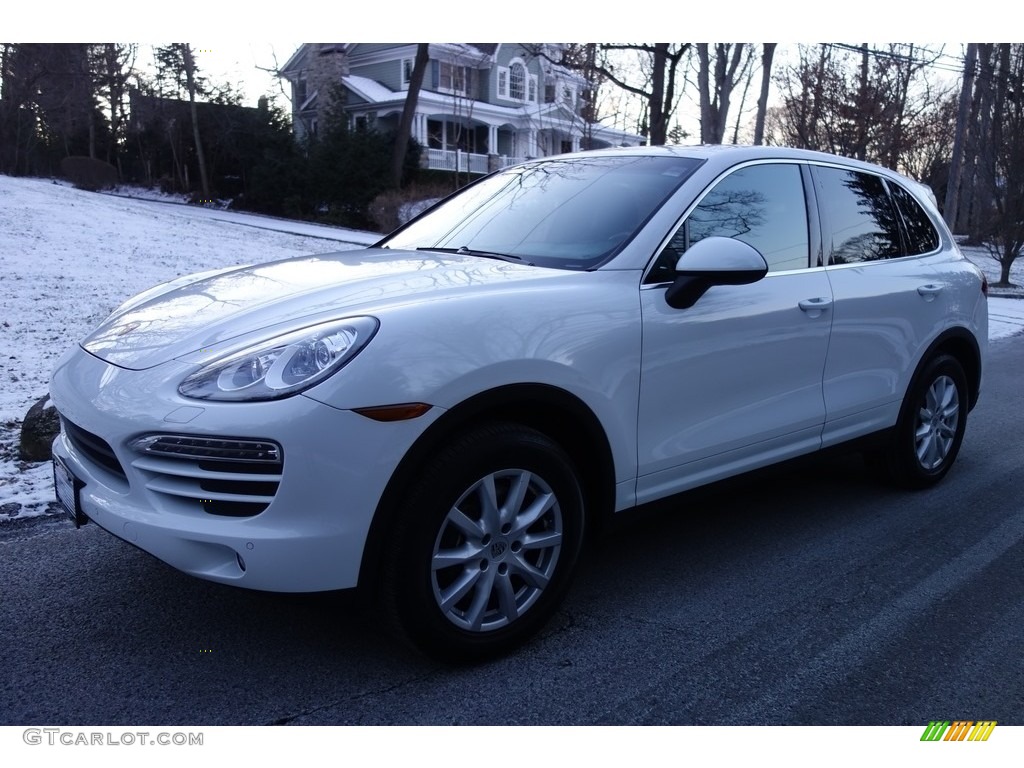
<point x="405" y="20"/>
<point x="237" y="47"/>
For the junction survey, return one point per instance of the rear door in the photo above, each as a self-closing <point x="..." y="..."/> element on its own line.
<point x="888" y="299"/>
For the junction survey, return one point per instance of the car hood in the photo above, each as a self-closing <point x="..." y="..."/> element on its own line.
<point x="203" y="315"/>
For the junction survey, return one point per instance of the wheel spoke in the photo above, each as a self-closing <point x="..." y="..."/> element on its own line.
<point x="446" y="558"/>
<point x="530" y="573"/>
<point x="481" y="595"/>
<point x="532" y="514"/>
<point x="490" y="517"/>
<point x="514" y="499"/>
<point x="544" y="540"/>
<point x="459" y="588"/>
<point x="506" y="597"/>
<point x="465" y="524"/>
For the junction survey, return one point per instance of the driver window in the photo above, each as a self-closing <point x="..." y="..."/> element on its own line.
<point x="762" y="205"/>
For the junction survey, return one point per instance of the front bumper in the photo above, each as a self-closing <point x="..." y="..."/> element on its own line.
<point x="310" y="537"/>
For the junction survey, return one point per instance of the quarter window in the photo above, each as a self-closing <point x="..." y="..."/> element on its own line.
<point x="862" y="223"/>
<point x="921" y="234"/>
<point x="762" y="205"/>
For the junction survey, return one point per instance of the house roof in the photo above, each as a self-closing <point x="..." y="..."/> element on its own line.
<point x="370" y="90"/>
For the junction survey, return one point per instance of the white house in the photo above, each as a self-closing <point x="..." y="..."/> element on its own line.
<point x="482" y="106"/>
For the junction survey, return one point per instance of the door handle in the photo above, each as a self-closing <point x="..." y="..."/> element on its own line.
<point x="815" y="307"/>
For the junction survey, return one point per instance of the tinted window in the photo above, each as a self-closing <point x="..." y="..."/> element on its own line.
<point x="762" y="205"/>
<point x="921" y="235"/>
<point x="862" y="223"/>
<point x="572" y="213"/>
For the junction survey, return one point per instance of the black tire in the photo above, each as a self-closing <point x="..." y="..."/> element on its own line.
<point x="465" y="580"/>
<point x="927" y="438"/>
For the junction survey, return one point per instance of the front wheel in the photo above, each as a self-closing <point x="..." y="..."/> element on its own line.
<point x="931" y="427"/>
<point x="485" y="544"/>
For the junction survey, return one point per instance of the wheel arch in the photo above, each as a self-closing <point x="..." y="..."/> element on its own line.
<point x="553" y="411"/>
<point x="961" y="344"/>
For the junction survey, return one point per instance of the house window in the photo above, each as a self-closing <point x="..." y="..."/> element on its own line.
<point x="503" y="82"/>
<point x="533" y="88"/>
<point x="517" y="82"/>
<point x="453" y="78"/>
<point x="365" y="122"/>
<point x="568" y="95"/>
<point x="407" y="65"/>
<point x="549" y="94"/>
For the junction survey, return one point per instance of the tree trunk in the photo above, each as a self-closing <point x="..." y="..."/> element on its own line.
<point x="767" y="53"/>
<point x="658" y="129"/>
<point x="409" y="112"/>
<point x="952" y="200"/>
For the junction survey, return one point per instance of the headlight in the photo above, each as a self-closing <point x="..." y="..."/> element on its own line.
<point x="283" y="366"/>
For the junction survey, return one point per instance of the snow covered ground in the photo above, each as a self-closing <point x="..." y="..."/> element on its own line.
<point x="67" y="258"/>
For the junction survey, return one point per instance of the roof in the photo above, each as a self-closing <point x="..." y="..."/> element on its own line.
<point x="370" y="90"/>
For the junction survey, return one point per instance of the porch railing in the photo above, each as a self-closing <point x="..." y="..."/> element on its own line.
<point x="464" y="162"/>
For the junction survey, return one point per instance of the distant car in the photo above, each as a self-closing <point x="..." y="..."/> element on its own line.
<point x="442" y="416"/>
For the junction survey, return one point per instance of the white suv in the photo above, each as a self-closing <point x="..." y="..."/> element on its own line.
<point x="444" y="415"/>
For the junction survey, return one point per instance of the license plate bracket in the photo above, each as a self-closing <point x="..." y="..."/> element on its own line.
<point x="68" y="489"/>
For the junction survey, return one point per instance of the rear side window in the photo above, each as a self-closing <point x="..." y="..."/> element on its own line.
<point x="862" y="222"/>
<point x="921" y="234"/>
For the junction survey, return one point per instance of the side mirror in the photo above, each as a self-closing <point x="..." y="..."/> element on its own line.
<point x="713" y="261"/>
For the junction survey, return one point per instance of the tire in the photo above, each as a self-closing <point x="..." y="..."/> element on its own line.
<point x="485" y="544"/>
<point x="933" y="418"/>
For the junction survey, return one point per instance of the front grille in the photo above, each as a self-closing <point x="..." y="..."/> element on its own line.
<point x="234" y="477"/>
<point x="93" y="447"/>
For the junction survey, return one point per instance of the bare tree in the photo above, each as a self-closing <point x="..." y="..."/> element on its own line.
<point x="660" y="65"/>
<point x="952" y="201"/>
<point x="856" y="101"/>
<point x="1001" y="163"/>
<point x="717" y="72"/>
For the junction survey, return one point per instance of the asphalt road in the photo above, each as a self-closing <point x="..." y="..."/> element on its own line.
<point x="813" y="595"/>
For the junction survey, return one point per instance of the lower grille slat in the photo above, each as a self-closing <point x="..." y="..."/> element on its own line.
<point x="234" y="477"/>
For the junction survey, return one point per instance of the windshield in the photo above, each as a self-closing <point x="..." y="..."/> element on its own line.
<point x="569" y="213"/>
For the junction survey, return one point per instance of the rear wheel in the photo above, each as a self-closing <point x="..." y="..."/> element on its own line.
<point x="931" y="428"/>
<point x="485" y="545"/>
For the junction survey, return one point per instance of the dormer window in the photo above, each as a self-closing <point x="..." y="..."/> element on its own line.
<point x="516" y="83"/>
<point x="453" y="78"/>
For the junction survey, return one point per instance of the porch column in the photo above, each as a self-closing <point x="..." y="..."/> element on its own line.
<point x="575" y="143"/>
<point x="531" y="143"/>
<point x="492" y="139"/>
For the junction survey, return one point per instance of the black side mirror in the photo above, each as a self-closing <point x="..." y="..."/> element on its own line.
<point x="713" y="261"/>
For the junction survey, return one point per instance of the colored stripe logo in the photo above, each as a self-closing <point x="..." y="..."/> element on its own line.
<point x="958" y="730"/>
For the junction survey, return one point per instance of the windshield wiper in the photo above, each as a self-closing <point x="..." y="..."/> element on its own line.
<point x="464" y="251"/>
